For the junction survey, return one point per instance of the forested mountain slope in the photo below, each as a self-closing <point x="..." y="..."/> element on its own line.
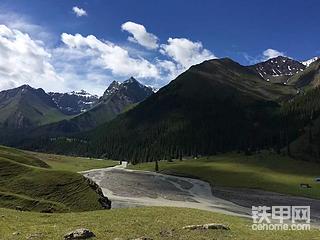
<point x="215" y="106"/>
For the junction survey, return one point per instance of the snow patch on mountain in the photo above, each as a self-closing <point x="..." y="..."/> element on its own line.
<point x="307" y="63"/>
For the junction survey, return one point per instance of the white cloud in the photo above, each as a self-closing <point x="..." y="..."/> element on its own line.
<point x="110" y="56"/>
<point x="264" y="56"/>
<point x="169" y="70"/>
<point x="140" y="35"/>
<point x="23" y="60"/>
<point x="80" y="12"/>
<point x="185" y="52"/>
<point x="271" y="53"/>
<point x="29" y="55"/>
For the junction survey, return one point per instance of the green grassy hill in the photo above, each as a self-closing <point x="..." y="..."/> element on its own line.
<point x="157" y="223"/>
<point x="266" y="171"/>
<point x="29" y="183"/>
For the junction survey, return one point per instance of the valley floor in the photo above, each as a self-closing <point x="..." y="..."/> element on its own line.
<point x="132" y="188"/>
<point x="157" y="205"/>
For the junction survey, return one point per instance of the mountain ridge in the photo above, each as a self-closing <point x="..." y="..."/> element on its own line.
<point x="24" y="107"/>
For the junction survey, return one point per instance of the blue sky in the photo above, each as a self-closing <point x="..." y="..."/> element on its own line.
<point x="64" y="45"/>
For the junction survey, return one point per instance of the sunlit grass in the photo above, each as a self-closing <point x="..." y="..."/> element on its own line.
<point x="152" y="222"/>
<point x="266" y="171"/>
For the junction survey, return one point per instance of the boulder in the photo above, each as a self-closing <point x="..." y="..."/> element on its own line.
<point x="166" y="233"/>
<point x="35" y="236"/>
<point x="142" y="238"/>
<point x="81" y="233"/>
<point x="207" y="226"/>
<point x="19" y="208"/>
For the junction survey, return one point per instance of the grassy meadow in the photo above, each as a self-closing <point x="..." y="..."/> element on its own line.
<point x="72" y="164"/>
<point x="153" y="222"/>
<point x="39" y="182"/>
<point x="265" y="171"/>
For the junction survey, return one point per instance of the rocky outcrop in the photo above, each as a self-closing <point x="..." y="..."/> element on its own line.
<point x="207" y="226"/>
<point x="103" y="200"/>
<point x="81" y="233"/>
<point x="143" y="238"/>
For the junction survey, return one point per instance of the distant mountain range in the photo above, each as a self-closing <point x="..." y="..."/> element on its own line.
<point x="117" y="98"/>
<point x="216" y="106"/>
<point x="74" y="103"/>
<point x="25" y="107"/>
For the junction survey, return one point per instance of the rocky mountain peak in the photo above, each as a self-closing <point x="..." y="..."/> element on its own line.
<point x="278" y="69"/>
<point x="131" y="89"/>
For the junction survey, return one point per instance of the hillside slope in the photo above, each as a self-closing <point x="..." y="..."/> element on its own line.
<point x="25" y="107"/>
<point x="303" y="114"/>
<point x="29" y="184"/>
<point x="309" y="78"/>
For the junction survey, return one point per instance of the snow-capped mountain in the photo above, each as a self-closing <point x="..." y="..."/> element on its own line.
<point x="153" y="89"/>
<point x="117" y="98"/>
<point x="278" y="69"/>
<point x="74" y="102"/>
<point x="130" y="89"/>
<point x="113" y="88"/>
<point x="307" y="63"/>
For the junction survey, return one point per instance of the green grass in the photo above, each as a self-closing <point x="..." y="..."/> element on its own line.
<point x="265" y="171"/>
<point x="72" y="164"/>
<point x="21" y="157"/>
<point x="66" y="191"/>
<point x="137" y="222"/>
<point x="36" y="181"/>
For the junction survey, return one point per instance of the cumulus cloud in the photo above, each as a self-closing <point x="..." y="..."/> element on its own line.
<point x="111" y="56"/>
<point x="23" y="60"/>
<point x="86" y="62"/>
<point x="80" y="12"/>
<point x="93" y="55"/>
<point x="185" y="52"/>
<point x="264" y="56"/>
<point x="140" y="35"/>
<point x="271" y="53"/>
